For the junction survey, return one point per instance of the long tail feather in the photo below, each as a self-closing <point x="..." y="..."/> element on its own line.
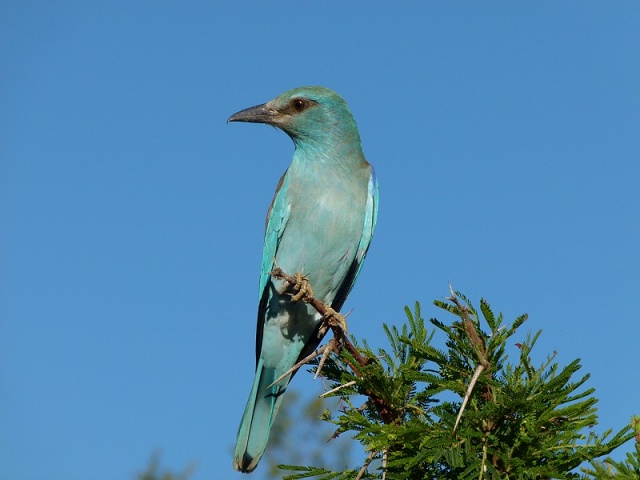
<point x="255" y="426"/>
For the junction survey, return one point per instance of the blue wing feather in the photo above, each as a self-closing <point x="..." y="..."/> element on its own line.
<point x="370" y="219"/>
<point x="276" y="222"/>
<point x="277" y="217"/>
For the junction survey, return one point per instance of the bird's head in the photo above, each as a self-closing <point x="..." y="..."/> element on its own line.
<point x="306" y="114"/>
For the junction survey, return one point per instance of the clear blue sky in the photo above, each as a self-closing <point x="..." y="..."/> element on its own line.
<point x="506" y="140"/>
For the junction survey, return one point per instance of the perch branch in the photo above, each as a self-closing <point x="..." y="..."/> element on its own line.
<point x="302" y="291"/>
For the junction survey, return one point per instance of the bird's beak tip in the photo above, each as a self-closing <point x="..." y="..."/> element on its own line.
<point x="257" y="114"/>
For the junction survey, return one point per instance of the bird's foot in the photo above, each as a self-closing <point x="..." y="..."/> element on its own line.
<point x="302" y="288"/>
<point x="336" y="322"/>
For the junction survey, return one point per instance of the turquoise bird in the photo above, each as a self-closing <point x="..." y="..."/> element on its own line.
<point x="320" y="223"/>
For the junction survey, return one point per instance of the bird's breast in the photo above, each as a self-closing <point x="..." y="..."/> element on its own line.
<point x="323" y="233"/>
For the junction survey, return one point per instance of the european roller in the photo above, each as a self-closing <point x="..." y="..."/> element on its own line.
<point x="320" y="223"/>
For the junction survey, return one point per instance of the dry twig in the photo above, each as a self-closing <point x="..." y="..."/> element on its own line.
<point x="478" y="346"/>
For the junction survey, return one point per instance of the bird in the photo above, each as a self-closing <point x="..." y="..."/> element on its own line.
<point x="320" y="223"/>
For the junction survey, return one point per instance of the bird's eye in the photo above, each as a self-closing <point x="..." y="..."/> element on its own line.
<point x="299" y="104"/>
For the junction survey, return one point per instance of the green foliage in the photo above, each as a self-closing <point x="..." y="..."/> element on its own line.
<point x="521" y="420"/>
<point x="628" y="470"/>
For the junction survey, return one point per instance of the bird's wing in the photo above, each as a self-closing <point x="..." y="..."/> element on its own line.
<point x="277" y="217"/>
<point x="370" y="218"/>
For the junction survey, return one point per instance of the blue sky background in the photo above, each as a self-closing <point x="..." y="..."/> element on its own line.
<point x="506" y="140"/>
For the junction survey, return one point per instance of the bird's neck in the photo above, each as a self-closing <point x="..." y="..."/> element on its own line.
<point x="328" y="156"/>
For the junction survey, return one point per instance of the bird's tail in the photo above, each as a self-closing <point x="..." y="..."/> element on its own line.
<point x="258" y="417"/>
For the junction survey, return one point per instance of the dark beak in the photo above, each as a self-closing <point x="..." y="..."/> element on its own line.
<point x="257" y="114"/>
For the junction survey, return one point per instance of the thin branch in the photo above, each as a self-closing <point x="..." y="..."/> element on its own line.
<point x="366" y="464"/>
<point x="478" y="346"/>
<point x="467" y="395"/>
<point x="296" y="367"/>
<point x="339" y="387"/>
<point x="385" y="458"/>
<point x="332" y="346"/>
<point x="483" y="467"/>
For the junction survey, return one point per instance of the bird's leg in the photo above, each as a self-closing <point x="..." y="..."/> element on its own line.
<point x="336" y="321"/>
<point x="302" y="287"/>
<point x="298" y="283"/>
<point x="338" y="325"/>
<point x="331" y="319"/>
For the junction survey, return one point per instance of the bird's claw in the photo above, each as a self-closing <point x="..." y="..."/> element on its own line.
<point x="335" y="321"/>
<point x="338" y="324"/>
<point x="302" y="287"/>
